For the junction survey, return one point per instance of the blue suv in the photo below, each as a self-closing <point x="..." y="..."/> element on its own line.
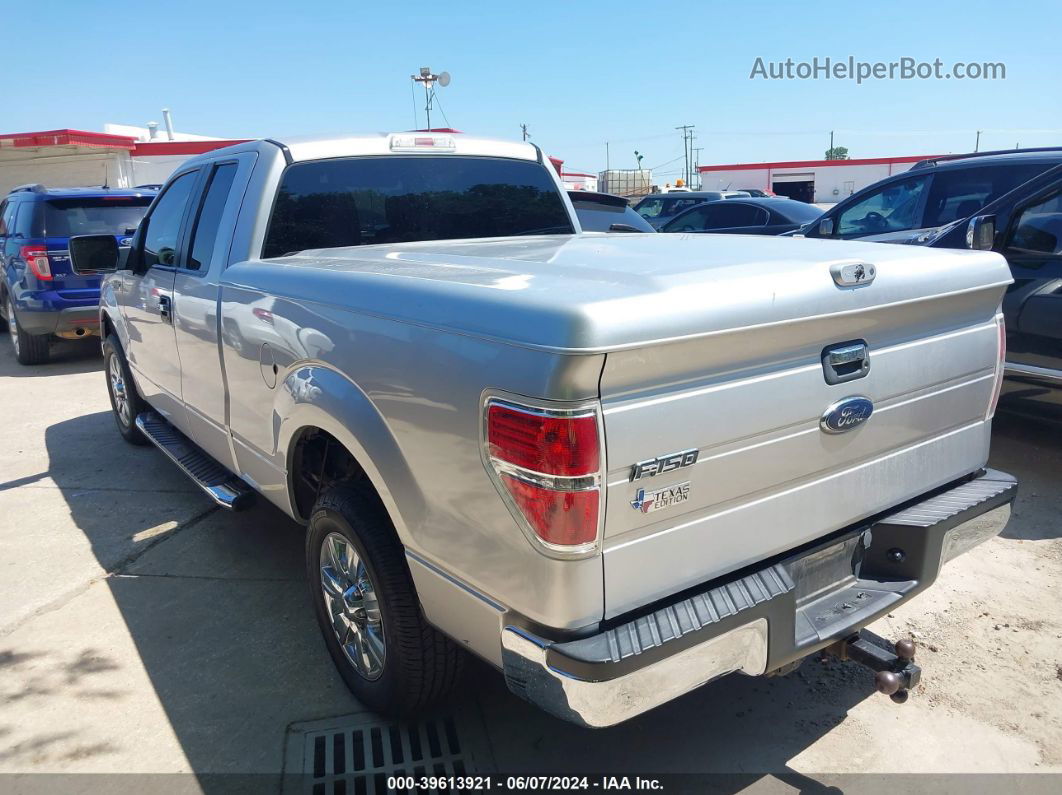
<point x="40" y="294"/>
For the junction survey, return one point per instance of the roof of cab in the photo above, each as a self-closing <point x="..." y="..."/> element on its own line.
<point x="320" y="148"/>
<point x="88" y="192"/>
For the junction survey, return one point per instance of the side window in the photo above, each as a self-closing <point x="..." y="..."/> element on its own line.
<point x="7" y="217"/>
<point x="23" y="225"/>
<point x="691" y="222"/>
<point x="1038" y="231"/>
<point x="677" y="206"/>
<point x="892" y="208"/>
<point x="205" y="232"/>
<point x="735" y="213"/>
<point x="959" y="193"/>
<point x="164" y="223"/>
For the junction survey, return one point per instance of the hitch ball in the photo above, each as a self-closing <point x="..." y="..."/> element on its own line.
<point x="905" y="649"/>
<point x="888" y="682"/>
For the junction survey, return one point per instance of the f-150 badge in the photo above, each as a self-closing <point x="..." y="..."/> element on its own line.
<point x="664" y="463"/>
<point x="667" y="497"/>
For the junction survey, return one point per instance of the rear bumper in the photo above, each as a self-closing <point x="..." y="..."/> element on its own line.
<point x="758" y="620"/>
<point x="64" y="322"/>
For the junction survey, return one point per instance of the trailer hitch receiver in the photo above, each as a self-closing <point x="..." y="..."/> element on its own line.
<point x="896" y="670"/>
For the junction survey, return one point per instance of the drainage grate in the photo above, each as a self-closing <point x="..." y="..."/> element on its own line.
<point x="356" y="754"/>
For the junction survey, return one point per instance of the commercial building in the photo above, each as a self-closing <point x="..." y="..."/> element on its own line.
<point x="70" y="158"/>
<point x="818" y="181"/>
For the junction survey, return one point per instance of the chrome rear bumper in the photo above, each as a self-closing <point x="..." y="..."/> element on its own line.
<point x="760" y="621"/>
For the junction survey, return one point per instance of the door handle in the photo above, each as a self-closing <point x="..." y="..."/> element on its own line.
<point x="166" y="308"/>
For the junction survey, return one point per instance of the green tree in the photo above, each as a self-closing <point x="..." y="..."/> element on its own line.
<point x="837" y="153"/>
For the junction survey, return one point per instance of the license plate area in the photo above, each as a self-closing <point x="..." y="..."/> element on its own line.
<point x="829" y="569"/>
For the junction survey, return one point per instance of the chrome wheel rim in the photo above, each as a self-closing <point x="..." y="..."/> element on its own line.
<point x="12" y="325"/>
<point x="352" y="607"/>
<point x="118" y="390"/>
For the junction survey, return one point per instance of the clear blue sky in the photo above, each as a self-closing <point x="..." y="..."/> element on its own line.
<point x="578" y="73"/>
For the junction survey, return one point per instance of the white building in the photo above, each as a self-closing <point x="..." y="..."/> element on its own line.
<point x="817" y="181"/>
<point x="577" y="180"/>
<point x="72" y="158"/>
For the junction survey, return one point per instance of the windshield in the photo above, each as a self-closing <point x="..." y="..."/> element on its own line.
<point x="107" y="215"/>
<point x="366" y="200"/>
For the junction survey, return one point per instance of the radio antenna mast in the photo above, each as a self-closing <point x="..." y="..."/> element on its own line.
<point x="428" y="79"/>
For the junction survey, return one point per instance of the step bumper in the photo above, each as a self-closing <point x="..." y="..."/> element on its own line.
<point x="756" y="621"/>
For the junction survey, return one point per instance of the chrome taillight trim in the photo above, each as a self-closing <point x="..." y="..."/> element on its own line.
<point x="496" y="467"/>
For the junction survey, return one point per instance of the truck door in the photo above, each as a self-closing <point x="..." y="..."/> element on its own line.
<point x="147" y="299"/>
<point x="196" y="292"/>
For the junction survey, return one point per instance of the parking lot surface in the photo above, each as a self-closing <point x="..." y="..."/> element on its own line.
<point x="144" y="630"/>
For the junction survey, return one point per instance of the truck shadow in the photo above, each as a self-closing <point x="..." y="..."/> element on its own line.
<point x="217" y="607"/>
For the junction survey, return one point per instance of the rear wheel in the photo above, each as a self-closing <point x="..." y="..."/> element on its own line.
<point x="388" y="655"/>
<point x="29" y="348"/>
<point x="126" y="402"/>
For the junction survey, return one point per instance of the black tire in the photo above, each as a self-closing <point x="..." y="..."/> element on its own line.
<point x="29" y="348"/>
<point x="126" y="421"/>
<point x="421" y="665"/>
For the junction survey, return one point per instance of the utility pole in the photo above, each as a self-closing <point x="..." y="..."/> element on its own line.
<point x="831" y="143"/>
<point x="523" y="129"/>
<point x="697" y="164"/>
<point x="687" y="143"/>
<point x="977" y="143"/>
<point x="606" y="156"/>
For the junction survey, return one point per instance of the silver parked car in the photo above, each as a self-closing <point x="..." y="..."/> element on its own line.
<point x="615" y="466"/>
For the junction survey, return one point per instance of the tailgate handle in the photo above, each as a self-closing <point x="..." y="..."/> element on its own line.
<point x="845" y="361"/>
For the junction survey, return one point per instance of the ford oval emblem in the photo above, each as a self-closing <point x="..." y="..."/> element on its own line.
<point x="846" y="414"/>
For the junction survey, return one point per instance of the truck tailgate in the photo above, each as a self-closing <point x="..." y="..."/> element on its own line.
<point x="749" y="399"/>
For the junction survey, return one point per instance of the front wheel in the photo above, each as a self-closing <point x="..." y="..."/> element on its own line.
<point x="29" y="348"/>
<point x="126" y="402"/>
<point x="366" y="605"/>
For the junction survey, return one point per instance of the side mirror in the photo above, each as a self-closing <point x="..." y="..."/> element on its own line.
<point x="826" y="227"/>
<point x="93" y="254"/>
<point x="981" y="232"/>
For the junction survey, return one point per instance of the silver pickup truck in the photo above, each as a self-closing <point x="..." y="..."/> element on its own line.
<point x="614" y="466"/>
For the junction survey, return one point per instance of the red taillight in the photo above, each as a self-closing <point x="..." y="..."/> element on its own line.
<point x="561" y="518"/>
<point x="548" y="462"/>
<point x="549" y="444"/>
<point x="263" y="314"/>
<point x="37" y="259"/>
<point x="1001" y="361"/>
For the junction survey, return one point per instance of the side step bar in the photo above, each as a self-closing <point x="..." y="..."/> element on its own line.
<point x="221" y="485"/>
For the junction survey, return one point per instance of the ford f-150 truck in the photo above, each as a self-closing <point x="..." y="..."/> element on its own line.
<point x="615" y="466"/>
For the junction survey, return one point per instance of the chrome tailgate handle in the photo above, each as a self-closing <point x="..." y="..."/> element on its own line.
<point x="845" y="361"/>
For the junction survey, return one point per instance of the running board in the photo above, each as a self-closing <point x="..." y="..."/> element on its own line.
<point x="221" y="485"/>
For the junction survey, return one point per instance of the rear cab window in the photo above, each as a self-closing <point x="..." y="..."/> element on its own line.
<point x="362" y="201"/>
